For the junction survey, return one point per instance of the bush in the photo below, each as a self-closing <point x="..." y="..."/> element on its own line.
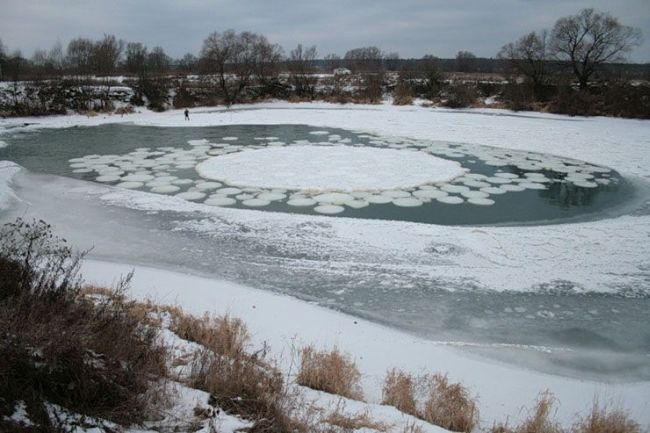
<point x="403" y="94"/>
<point x="239" y="382"/>
<point x="399" y="391"/>
<point x="60" y="347"/>
<point x="604" y="419"/>
<point x="329" y="371"/>
<point x="460" y="95"/>
<point x="445" y="404"/>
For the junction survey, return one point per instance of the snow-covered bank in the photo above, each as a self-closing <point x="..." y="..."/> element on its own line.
<point x="7" y="171"/>
<point x="622" y="144"/>
<point x="286" y="324"/>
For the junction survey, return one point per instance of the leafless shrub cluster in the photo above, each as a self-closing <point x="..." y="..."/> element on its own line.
<point x="330" y="371"/>
<point x="446" y="404"/>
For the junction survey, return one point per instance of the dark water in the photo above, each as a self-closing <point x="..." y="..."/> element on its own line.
<point x="49" y="150"/>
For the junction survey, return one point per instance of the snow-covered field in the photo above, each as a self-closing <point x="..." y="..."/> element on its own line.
<point x="609" y="255"/>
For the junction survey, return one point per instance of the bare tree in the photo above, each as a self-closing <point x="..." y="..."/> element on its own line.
<point x="465" y="61"/>
<point x="267" y="60"/>
<point x="158" y="61"/>
<point x="332" y="61"/>
<point x="391" y="61"/>
<point x="234" y="59"/>
<point x="431" y="75"/>
<point x="527" y="56"/>
<point x="136" y="58"/>
<point x="188" y="63"/>
<point x="79" y="55"/>
<point x="589" y="39"/>
<point x="364" y="59"/>
<point x="106" y="54"/>
<point x="301" y="67"/>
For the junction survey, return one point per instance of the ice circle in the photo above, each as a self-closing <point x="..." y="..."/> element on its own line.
<point x="325" y="168"/>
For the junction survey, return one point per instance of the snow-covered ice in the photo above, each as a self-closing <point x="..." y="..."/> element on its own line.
<point x="324" y="168"/>
<point x="608" y="255"/>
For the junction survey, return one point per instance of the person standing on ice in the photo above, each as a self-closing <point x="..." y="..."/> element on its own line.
<point x="187" y="114"/>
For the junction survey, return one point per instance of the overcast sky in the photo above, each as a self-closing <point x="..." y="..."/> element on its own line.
<point x="410" y="27"/>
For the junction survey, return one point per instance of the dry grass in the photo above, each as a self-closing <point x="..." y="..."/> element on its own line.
<point x="539" y="420"/>
<point x="606" y="419"/>
<point x="353" y="422"/>
<point x="60" y="346"/>
<point x="330" y="371"/>
<point x="239" y="382"/>
<point x="399" y="391"/>
<point x="448" y="405"/>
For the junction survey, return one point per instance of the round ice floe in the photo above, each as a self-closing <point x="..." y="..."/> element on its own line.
<point x="229" y="138"/>
<point x="319" y="168"/>
<point x="137" y="178"/>
<point x="207" y="186"/>
<point x="301" y="202"/>
<point x="256" y="202"/>
<point x="182" y="182"/>
<point x="475" y="194"/>
<point x="130" y="185"/>
<point x="407" y="202"/>
<point x="329" y="209"/>
<point x="450" y="199"/>
<point x="357" y="204"/>
<point x="108" y="178"/>
<point x="512" y="188"/>
<point x="429" y="193"/>
<point x="78" y="165"/>
<point x="498" y="180"/>
<point x="476" y="184"/>
<point x="165" y="189"/>
<point x="454" y="188"/>
<point x="493" y="190"/>
<point x="396" y="194"/>
<point x="585" y="184"/>
<point x="82" y="170"/>
<point x="532" y="185"/>
<point x="220" y="201"/>
<point x="319" y="132"/>
<point x="506" y="175"/>
<point x="379" y="199"/>
<point x="191" y="195"/>
<point x="229" y="191"/>
<point x="481" y="201"/>
<point x="73" y="160"/>
<point x="166" y="178"/>
<point x="272" y="196"/>
<point x="333" y="198"/>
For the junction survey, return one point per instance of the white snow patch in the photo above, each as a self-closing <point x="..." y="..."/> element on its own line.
<point x="324" y="168"/>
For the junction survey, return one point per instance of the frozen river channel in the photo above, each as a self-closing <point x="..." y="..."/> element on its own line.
<point x="523" y="269"/>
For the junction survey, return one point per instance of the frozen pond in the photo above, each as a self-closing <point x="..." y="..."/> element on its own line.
<point x="552" y="328"/>
<point x="287" y="168"/>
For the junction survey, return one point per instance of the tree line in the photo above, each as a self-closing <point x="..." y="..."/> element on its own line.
<point x="539" y="67"/>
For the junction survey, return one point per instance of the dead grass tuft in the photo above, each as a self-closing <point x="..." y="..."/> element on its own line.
<point x="330" y="371"/>
<point x="448" y="405"/>
<point x="606" y="419"/>
<point x="353" y="422"/>
<point x="399" y="391"/>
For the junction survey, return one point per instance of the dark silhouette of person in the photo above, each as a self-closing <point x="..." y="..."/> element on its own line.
<point x="187" y="114"/>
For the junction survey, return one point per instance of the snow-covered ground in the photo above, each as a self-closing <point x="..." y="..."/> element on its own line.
<point x="607" y="255"/>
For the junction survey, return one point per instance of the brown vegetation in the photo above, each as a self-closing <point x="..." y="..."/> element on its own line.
<point x="448" y="405"/>
<point x="330" y="371"/>
<point x="58" y="346"/>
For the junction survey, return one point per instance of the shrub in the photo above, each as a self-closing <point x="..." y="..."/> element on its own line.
<point x="604" y="419"/>
<point x="449" y="405"/>
<point x="460" y="95"/>
<point x="539" y="420"/>
<point x="329" y="371"/>
<point x="403" y="94"/>
<point x="239" y="382"/>
<point x="399" y="391"/>
<point x="58" y="346"/>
